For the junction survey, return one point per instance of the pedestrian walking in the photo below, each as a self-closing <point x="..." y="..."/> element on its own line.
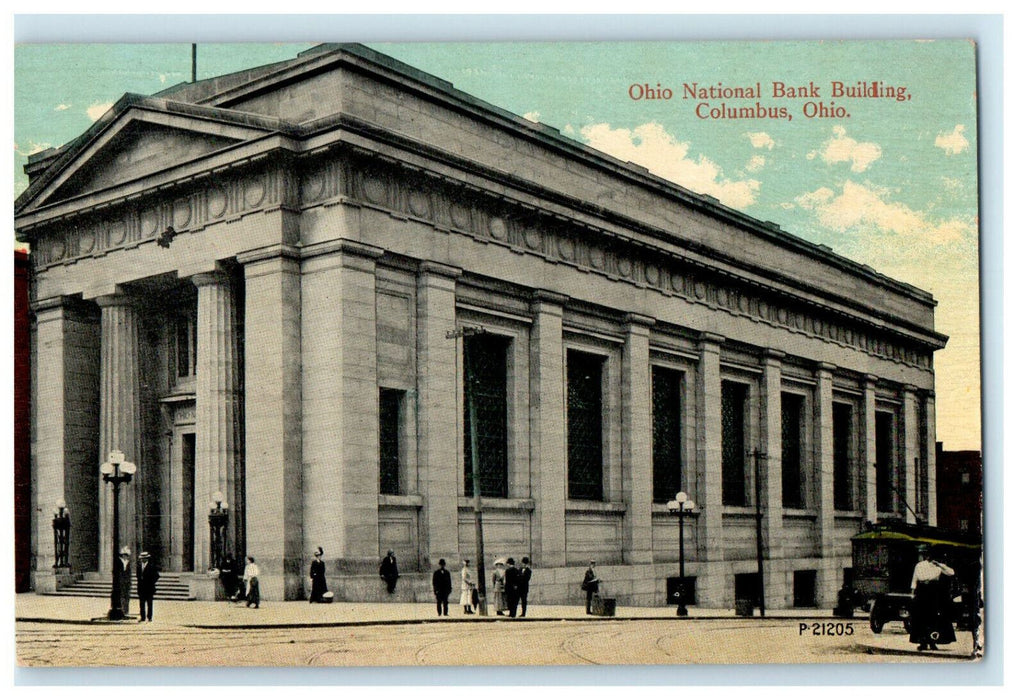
<point x="124" y="579"/>
<point x="590" y="586"/>
<point x="466" y="588"/>
<point x="525" y="574"/>
<point x="251" y="579"/>
<point x="930" y="608"/>
<point x="442" y="583"/>
<point x="146" y="576"/>
<point x="498" y="586"/>
<point x="389" y="571"/>
<point x="318" y="577"/>
<point x="512" y="586"/>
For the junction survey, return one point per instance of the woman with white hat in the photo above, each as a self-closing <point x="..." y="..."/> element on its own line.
<point x="498" y="586"/>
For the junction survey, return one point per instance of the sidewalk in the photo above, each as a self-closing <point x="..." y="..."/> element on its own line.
<point x="30" y="607"/>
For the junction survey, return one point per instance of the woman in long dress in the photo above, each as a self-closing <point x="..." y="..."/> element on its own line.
<point x="466" y="589"/>
<point x="251" y="577"/>
<point x="318" y="577"/>
<point x="498" y="586"/>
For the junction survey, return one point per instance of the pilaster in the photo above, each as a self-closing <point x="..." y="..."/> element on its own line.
<point x="548" y="461"/>
<point x="869" y="447"/>
<point x="771" y="447"/>
<point x="929" y="468"/>
<point x="637" y="439"/>
<point x="909" y="452"/>
<point x="120" y="419"/>
<point x="822" y="466"/>
<point x="274" y="474"/>
<point x="437" y="412"/>
<point x="340" y="406"/>
<point x="709" y="468"/>
<point x="216" y="408"/>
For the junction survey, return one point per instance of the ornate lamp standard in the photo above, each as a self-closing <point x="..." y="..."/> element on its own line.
<point x="116" y="471"/>
<point x="681" y="506"/>
<point x="218" y="529"/>
<point x="61" y="534"/>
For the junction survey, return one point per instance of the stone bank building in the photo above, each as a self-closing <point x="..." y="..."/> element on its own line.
<point x="249" y="285"/>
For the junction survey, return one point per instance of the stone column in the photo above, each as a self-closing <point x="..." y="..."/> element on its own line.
<point x="120" y="419"/>
<point x="437" y="413"/>
<point x="217" y="445"/>
<point x="65" y="434"/>
<point x="929" y="468"/>
<point x="637" y="440"/>
<point x="909" y="451"/>
<point x="274" y="465"/>
<point x="340" y="413"/>
<point x="714" y="586"/>
<point x="771" y="468"/>
<point x="548" y="461"/>
<point x="827" y="579"/>
<point x="869" y="447"/>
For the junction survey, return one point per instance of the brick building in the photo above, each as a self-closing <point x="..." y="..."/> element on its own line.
<point x="247" y="284"/>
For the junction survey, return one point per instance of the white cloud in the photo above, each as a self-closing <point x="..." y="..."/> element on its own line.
<point x="569" y="130"/>
<point x="98" y="109"/>
<point x="841" y="148"/>
<point x="532" y="116"/>
<point x="651" y="146"/>
<point x="866" y="208"/>
<point x="31" y="148"/>
<point x="755" y="164"/>
<point x="761" y="139"/>
<point x="163" y="78"/>
<point x="953" y="142"/>
<point x="61" y="107"/>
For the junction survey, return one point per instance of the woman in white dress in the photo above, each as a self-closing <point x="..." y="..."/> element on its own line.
<point x="466" y="591"/>
<point x="498" y="586"/>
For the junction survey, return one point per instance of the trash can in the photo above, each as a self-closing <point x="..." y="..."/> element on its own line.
<point x="605" y="607"/>
<point x="745" y="608"/>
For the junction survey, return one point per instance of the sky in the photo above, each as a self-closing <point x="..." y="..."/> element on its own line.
<point x="887" y="181"/>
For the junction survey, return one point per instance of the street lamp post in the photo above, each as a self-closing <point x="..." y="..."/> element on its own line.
<point x="218" y="529"/>
<point x="478" y="517"/>
<point x="116" y="471"/>
<point x="681" y="506"/>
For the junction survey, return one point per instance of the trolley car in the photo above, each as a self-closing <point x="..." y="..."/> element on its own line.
<point x="884" y="557"/>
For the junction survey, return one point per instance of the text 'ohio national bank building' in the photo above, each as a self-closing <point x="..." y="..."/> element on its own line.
<point x="249" y="284"/>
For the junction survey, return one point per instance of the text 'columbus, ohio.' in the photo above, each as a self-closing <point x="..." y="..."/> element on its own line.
<point x="711" y="100"/>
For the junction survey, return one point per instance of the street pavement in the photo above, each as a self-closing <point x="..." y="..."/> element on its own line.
<point x="56" y="631"/>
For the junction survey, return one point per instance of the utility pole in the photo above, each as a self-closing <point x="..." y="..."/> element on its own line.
<point x="478" y="516"/>
<point x="193" y="63"/>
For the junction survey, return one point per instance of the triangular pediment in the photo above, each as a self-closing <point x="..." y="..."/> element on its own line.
<point x="139" y="143"/>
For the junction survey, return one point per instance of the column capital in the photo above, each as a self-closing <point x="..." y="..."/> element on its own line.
<point x="543" y="296"/>
<point x="711" y="339"/>
<point x="869" y="380"/>
<point x="116" y="299"/>
<point x="203" y="279"/>
<point x="50" y="303"/>
<point x="641" y="320"/>
<point x="825" y="368"/>
<point x="430" y="267"/>
<point x="341" y="245"/>
<point x="910" y="389"/>
<point x="927" y="393"/>
<point x="278" y="250"/>
<point x="772" y="356"/>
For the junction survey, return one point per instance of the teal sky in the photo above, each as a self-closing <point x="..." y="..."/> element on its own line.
<point x="892" y="184"/>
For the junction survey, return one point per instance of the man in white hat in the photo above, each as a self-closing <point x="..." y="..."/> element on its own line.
<point x="146" y="576"/>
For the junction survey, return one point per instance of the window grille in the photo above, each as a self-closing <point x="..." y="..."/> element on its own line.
<point x="734" y="488"/>
<point x="667" y="442"/>
<point x="843" y="484"/>
<point x="484" y="374"/>
<point x="389" y="412"/>
<point x="792" y="410"/>
<point x="584" y="429"/>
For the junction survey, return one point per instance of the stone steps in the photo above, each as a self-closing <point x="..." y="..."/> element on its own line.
<point x="92" y="585"/>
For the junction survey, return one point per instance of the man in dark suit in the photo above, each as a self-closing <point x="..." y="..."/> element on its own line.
<point x="389" y="571"/>
<point x="442" y="583"/>
<point x="524" y="581"/>
<point x="512" y="585"/>
<point x="146" y="576"/>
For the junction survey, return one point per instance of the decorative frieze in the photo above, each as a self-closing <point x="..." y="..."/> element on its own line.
<point x="456" y="207"/>
<point x="187" y="208"/>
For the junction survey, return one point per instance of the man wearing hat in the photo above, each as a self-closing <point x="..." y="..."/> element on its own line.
<point x="389" y="571"/>
<point x="146" y="576"/>
<point x="124" y="579"/>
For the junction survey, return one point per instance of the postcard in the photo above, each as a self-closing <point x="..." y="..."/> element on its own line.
<point x="463" y="354"/>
